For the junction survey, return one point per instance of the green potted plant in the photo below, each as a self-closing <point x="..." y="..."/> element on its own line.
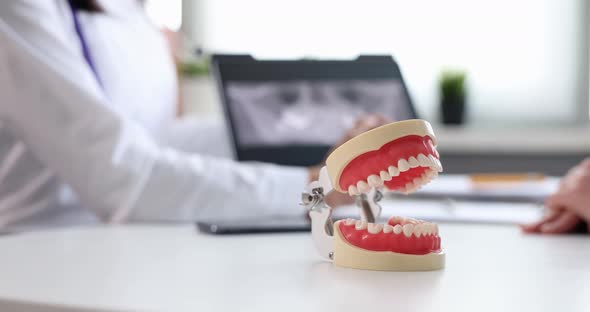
<point x="195" y="67"/>
<point x="452" y="96"/>
<point x="199" y="94"/>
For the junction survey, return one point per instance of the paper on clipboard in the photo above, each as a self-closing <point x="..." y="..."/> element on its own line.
<point x="440" y="210"/>
<point x="461" y="187"/>
<point x="453" y="198"/>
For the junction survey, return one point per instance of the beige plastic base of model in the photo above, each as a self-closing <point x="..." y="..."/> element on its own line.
<point x="349" y="256"/>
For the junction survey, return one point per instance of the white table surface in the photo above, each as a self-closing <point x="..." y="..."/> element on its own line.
<point x="172" y="268"/>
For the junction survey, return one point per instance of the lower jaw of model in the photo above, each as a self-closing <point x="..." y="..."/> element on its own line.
<point x="403" y="244"/>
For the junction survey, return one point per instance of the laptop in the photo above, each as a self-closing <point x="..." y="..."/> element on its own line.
<point x="291" y="112"/>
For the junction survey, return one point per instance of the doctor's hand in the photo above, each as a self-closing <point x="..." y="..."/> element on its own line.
<point x="362" y="124"/>
<point x="569" y="207"/>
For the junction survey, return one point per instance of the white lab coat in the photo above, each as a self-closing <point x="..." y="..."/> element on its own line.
<point x="62" y="131"/>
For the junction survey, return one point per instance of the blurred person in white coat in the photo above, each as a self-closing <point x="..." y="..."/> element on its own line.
<point x="88" y="91"/>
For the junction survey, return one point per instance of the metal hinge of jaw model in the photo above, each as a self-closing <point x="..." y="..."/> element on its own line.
<point x="322" y="226"/>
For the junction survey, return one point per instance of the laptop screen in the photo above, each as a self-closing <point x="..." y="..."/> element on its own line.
<point x="309" y="112"/>
<point x="292" y="112"/>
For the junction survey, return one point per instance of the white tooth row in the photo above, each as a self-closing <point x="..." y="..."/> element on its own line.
<point x="419" y="229"/>
<point x="413" y="186"/>
<point x="403" y="165"/>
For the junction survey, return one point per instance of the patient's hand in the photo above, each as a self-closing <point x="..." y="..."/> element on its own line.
<point x="569" y="207"/>
<point x="362" y="124"/>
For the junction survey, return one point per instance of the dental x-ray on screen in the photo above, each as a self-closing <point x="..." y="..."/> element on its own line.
<point x="272" y="113"/>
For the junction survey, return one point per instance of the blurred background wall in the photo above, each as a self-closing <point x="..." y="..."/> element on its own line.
<point x="527" y="60"/>
<point x="527" y="63"/>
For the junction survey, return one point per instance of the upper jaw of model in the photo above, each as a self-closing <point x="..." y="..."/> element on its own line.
<point x="400" y="156"/>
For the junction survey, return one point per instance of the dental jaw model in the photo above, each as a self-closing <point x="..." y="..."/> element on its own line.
<point x="400" y="156"/>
